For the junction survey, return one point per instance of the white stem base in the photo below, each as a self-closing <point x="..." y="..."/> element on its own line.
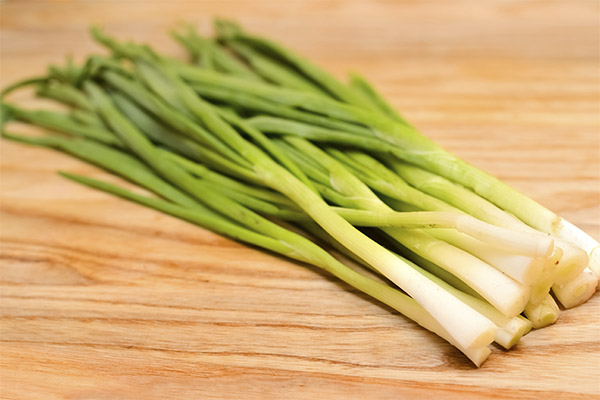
<point x="576" y="236"/>
<point x="577" y="291"/>
<point x="542" y="314"/>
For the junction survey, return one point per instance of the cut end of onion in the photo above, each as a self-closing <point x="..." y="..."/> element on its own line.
<point x="571" y="264"/>
<point x="577" y="291"/>
<point x="542" y="314"/>
<point x="478" y="355"/>
<point x="510" y="334"/>
<point x="594" y="263"/>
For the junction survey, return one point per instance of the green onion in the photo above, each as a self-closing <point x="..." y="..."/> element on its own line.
<point x="257" y="143"/>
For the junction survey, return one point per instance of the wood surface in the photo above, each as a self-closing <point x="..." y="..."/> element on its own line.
<point x="103" y="299"/>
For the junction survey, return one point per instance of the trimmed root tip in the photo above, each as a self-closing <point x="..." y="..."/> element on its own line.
<point x="543" y="314"/>
<point x="478" y="355"/>
<point x="577" y="291"/>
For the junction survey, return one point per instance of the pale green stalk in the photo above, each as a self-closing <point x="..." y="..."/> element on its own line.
<point x="504" y="293"/>
<point x="411" y="145"/>
<point x="541" y="309"/>
<point x="577" y="237"/>
<point x="261" y="140"/>
<point x="274" y="176"/>
<point x="542" y="286"/>
<point x="565" y="230"/>
<point x="477" y="332"/>
<point x="565" y="264"/>
<point x="510" y="330"/>
<point x="378" y="177"/>
<point x="410" y="220"/>
<point x="525" y="269"/>
<point x="499" y="238"/>
<point x="204" y="217"/>
<point x="206" y="173"/>
<point x="571" y="263"/>
<point x="543" y="313"/>
<point x="452" y="193"/>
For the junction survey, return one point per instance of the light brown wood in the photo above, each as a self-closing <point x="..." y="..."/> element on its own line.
<point x="103" y="299"/>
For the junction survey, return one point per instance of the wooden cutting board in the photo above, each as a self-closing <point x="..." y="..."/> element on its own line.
<point x="103" y="299"/>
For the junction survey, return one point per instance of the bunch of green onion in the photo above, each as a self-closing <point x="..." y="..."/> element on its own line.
<point x="255" y="142"/>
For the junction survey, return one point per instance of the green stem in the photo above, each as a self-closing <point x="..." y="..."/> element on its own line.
<point x="228" y="30"/>
<point x="361" y="85"/>
<point x="112" y="160"/>
<point x="247" y="101"/>
<point x="318" y="257"/>
<point x="223" y="60"/>
<point x="64" y="93"/>
<point x="168" y="114"/>
<point x="273" y="71"/>
<point x="273" y="175"/>
<point x="61" y="123"/>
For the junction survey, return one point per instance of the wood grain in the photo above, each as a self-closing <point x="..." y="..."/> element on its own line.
<point x="103" y="299"/>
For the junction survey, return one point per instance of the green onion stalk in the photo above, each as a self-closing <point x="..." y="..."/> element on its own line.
<point x="424" y="153"/>
<point x="289" y="244"/>
<point x="476" y="333"/>
<point x="251" y="134"/>
<point x="528" y="207"/>
<point x="411" y="146"/>
<point x="501" y="291"/>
